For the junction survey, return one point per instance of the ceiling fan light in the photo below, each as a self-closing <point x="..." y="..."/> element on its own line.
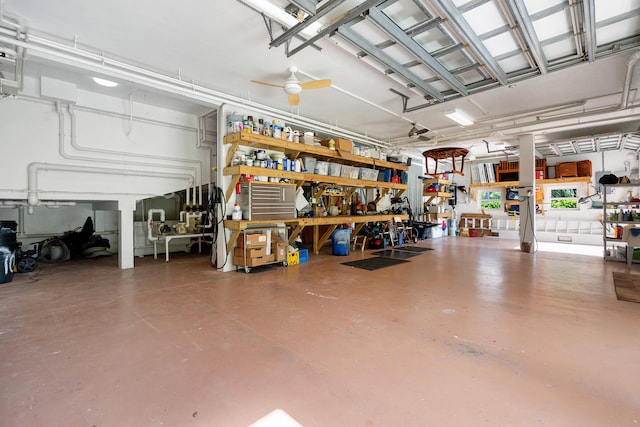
<point x="292" y="88"/>
<point x="459" y="117"/>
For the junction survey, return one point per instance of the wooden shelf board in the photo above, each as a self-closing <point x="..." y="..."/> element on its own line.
<point x="429" y="181"/>
<point x="538" y="182"/>
<point x="268" y="143"/>
<point x="436" y="194"/>
<point x="310" y="177"/>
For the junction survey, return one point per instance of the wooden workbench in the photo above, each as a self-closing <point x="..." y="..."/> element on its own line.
<point x="299" y="224"/>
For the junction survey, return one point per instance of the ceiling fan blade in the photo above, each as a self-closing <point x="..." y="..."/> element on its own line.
<point x="266" y="84"/>
<point x="315" y="84"/>
<point x="413" y="130"/>
<point x="421" y="131"/>
<point x="294" y="99"/>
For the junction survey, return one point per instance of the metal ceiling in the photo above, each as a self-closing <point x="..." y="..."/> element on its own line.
<point x="590" y="144"/>
<point x="443" y="50"/>
<point x="447" y="49"/>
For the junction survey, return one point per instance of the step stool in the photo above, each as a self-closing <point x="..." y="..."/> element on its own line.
<point x="359" y="240"/>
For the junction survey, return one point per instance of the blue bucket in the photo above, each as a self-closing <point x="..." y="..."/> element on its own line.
<point x="341" y="240"/>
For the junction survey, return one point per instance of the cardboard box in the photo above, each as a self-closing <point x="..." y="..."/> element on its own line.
<point x="254" y="262"/>
<point x="280" y="251"/>
<point x="252" y="252"/>
<point x="253" y="240"/>
<point x="344" y="145"/>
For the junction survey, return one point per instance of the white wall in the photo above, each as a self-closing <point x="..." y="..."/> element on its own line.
<point x="111" y="158"/>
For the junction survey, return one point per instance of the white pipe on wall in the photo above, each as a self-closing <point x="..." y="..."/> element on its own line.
<point x="197" y="170"/>
<point x="73" y="137"/>
<point x="35" y="167"/>
<point x="98" y="63"/>
<point x="150" y="213"/>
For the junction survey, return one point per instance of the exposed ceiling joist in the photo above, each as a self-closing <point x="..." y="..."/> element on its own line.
<point x="388" y="26"/>
<point x="476" y="44"/>
<point x="296" y="29"/>
<point x="529" y="33"/>
<point x="352" y="14"/>
<point x="359" y="41"/>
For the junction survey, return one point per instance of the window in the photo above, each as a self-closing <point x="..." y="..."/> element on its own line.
<point x="490" y="199"/>
<point x="564" y="198"/>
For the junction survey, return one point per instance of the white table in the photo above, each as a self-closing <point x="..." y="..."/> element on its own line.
<point x="171" y="237"/>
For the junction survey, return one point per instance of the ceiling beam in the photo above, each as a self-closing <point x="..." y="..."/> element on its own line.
<point x="527" y="30"/>
<point x="556" y="149"/>
<point x="331" y="28"/>
<point x="423" y="26"/>
<point x="388" y="61"/>
<point x="589" y="24"/>
<point x="308" y="6"/>
<point x="296" y="29"/>
<point x="465" y="30"/>
<point x="392" y="29"/>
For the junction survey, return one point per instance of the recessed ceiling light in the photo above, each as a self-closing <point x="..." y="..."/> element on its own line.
<point x="105" y="82"/>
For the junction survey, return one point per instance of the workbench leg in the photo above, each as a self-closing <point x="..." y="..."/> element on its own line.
<point x="155" y="249"/>
<point x="166" y="249"/>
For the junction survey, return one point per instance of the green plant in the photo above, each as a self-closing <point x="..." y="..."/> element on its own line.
<point x="492" y="204"/>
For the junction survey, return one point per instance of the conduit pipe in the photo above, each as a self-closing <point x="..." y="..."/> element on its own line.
<point x="35" y="167"/>
<point x="631" y="65"/>
<point x="150" y="213"/>
<point x="197" y="170"/>
<point x="61" y="148"/>
<point x="90" y="61"/>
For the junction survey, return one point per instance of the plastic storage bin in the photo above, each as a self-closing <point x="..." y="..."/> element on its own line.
<point x="334" y="169"/>
<point x="340" y="240"/>
<point x="309" y="164"/>
<point x="322" y="168"/>
<point x="303" y="255"/>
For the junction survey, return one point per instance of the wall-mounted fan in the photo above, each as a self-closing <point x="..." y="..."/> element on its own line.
<point x="292" y="86"/>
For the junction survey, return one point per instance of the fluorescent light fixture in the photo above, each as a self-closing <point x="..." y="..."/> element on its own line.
<point x="459" y="117"/>
<point x="282" y="16"/>
<point x="105" y="82"/>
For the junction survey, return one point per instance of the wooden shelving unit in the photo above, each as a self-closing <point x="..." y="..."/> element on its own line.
<point x="294" y="150"/>
<point x="439" y="198"/>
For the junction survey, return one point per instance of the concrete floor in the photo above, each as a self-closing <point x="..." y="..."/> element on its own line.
<point x="474" y="332"/>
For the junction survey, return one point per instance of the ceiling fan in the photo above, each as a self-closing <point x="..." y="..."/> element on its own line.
<point x="414" y="131"/>
<point x="293" y="87"/>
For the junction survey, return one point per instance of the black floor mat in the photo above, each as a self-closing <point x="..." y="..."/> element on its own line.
<point x="375" y="263"/>
<point x="413" y="248"/>
<point x="395" y="253"/>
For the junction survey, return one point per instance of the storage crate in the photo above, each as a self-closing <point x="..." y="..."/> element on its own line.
<point x="303" y="255"/>
<point x="346" y="171"/>
<point x="584" y="167"/>
<point x="368" y="174"/>
<point x="293" y="258"/>
<point x="334" y="169"/>
<point x="567" y="169"/>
